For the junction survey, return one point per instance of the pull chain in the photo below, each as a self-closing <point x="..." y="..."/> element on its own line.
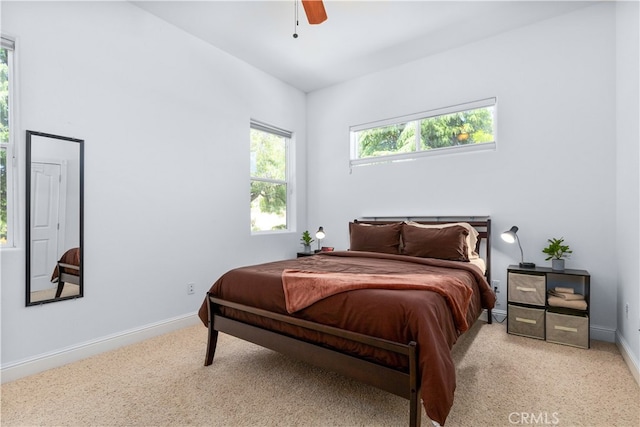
<point x="295" y="27"/>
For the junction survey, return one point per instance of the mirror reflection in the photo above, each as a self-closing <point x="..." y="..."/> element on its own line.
<point x="54" y="218"/>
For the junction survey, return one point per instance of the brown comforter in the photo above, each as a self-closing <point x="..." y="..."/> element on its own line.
<point x="303" y="288"/>
<point x="402" y="316"/>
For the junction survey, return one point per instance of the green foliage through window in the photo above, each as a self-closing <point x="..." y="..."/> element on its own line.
<point x="430" y="132"/>
<point x="4" y="96"/>
<point x="268" y="181"/>
<point x="3" y="195"/>
<point x="4" y="139"/>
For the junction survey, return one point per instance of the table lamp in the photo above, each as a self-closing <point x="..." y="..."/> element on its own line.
<point x="320" y="235"/>
<point x="511" y="236"/>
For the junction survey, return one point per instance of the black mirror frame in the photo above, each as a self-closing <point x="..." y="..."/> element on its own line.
<point x="29" y="134"/>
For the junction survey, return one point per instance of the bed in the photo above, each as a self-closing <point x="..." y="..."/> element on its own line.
<point x="386" y="312"/>
<point x="67" y="270"/>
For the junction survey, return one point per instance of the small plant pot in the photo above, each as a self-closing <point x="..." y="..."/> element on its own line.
<point x="307" y="248"/>
<point x="557" y="264"/>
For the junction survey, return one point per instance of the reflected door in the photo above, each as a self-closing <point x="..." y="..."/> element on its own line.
<point x="54" y="218"/>
<point x="45" y="216"/>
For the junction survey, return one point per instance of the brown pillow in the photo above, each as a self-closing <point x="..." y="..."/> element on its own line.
<point x="375" y="238"/>
<point x="472" y="238"/>
<point x="444" y="243"/>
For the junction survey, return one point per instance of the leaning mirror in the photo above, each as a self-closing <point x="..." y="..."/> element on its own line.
<point x="54" y="223"/>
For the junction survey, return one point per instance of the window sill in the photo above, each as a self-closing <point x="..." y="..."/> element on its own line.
<point x="459" y="149"/>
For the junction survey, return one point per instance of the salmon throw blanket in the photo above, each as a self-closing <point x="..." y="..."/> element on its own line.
<point x="303" y="288"/>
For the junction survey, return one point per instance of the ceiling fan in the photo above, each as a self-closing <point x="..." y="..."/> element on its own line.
<point x="315" y="11"/>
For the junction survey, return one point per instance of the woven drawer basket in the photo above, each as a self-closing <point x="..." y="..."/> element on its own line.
<point x="568" y="330"/>
<point x="527" y="289"/>
<point x="526" y="321"/>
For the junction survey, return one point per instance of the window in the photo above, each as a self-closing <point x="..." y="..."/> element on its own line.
<point x="464" y="127"/>
<point x="269" y="177"/>
<point x="6" y="143"/>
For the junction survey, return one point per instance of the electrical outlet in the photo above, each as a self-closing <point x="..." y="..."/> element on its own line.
<point x="496" y="286"/>
<point x="626" y="310"/>
<point x="496" y="290"/>
<point x="191" y="288"/>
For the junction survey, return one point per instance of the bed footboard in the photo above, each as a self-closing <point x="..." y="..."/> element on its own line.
<point x="403" y="384"/>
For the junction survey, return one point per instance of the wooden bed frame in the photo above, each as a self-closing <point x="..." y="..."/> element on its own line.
<point x="403" y="384"/>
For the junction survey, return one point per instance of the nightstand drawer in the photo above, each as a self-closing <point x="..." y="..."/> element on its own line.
<point x="526" y="321"/>
<point x="527" y="288"/>
<point x="568" y="330"/>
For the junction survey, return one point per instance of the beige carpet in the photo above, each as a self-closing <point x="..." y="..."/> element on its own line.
<point x="68" y="290"/>
<point x="503" y="380"/>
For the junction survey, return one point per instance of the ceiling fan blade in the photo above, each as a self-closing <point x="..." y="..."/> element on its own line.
<point x="315" y="11"/>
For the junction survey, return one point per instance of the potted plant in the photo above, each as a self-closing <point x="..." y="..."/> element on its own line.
<point x="556" y="252"/>
<point x="306" y="240"/>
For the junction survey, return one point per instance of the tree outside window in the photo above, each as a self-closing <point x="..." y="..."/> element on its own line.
<point x="268" y="181"/>
<point x="468" y="124"/>
<point x="4" y="140"/>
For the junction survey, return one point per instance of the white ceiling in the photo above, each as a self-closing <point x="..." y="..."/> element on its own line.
<point x="359" y="37"/>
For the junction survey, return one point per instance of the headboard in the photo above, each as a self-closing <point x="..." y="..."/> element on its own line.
<point x="481" y="223"/>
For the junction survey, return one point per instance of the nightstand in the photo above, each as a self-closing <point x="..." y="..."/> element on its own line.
<point x="530" y="314"/>
<point x="303" y="254"/>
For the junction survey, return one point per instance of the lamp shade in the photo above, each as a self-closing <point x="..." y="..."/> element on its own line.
<point x="510" y="236"/>
<point x="320" y="233"/>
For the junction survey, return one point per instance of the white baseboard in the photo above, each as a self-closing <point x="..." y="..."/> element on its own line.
<point x="600" y="333"/>
<point x="628" y="357"/>
<point x="54" y="359"/>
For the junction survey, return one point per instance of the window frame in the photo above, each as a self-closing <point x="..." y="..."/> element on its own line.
<point x="354" y="160"/>
<point x="287" y="181"/>
<point x="9" y="44"/>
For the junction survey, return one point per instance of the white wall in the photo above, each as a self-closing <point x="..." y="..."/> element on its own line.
<point x="628" y="176"/>
<point x="553" y="173"/>
<point x="165" y="119"/>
